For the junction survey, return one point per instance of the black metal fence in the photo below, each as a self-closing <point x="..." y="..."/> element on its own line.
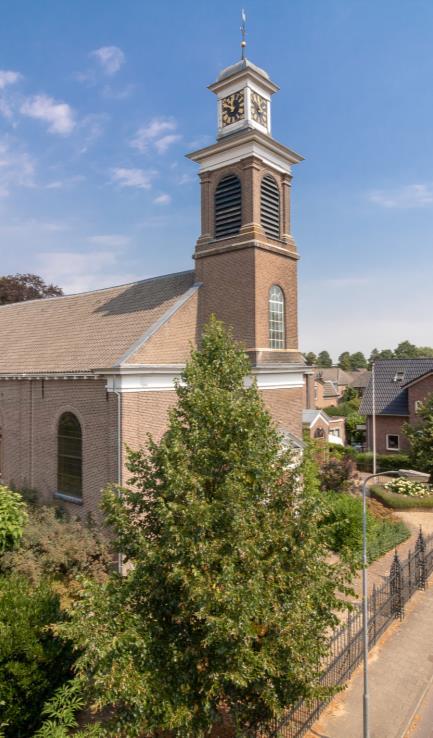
<point x="385" y="604"/>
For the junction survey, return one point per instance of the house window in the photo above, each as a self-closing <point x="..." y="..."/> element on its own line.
<point x="398" y="377"/>
<point x="270" y="207"/>
<point x="392" y="442"/>
<point x="276" y="318"/>
<point x="319" y="433"/>
<point x="228" y="206"/>
<point x="316" y="391"/>
<point x="418" y="406"/>
<point x="335" y="432"/>
<point x="69" y="456"/>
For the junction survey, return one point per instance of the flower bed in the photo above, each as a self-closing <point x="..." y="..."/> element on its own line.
<point x="399" y="501"/>
<point x="403" y="486"/>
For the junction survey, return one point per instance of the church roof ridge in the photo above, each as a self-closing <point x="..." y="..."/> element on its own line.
<point x="98" y="289"/>
<point x="239" y="66"/>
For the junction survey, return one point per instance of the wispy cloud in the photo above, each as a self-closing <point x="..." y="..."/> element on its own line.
<point x="110" y="240"/>
<point x="185" y="179"/>
<point x="163" y="199"/>
<point x="58" y="115"/>
<point x="60" y="184"/>
<point x="140" y="178"/>
<point x="17" y="168"/>
<point x="410" y="196"/>
<point x="79" y="272"/>
<point x="8" y="77"/>
<point x="158" y="132"/>
<point x="109" y="58"/>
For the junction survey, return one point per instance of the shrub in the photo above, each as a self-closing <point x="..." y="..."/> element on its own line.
<point x="13" y="517"/>
<point x="400" y="502"/>
<point x="335" y="474"/>
<point x="56" y="546"/>
<point x="385" y="462"/>
<point x="33" y="662"/>
<point x="345" y="529"/>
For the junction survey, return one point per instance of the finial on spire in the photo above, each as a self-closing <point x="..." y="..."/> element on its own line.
<point x="243" y="32"/>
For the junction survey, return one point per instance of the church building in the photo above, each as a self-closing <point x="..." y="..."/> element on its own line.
<point x="82" y="376"/>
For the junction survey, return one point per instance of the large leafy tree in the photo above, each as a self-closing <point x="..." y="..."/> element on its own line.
<point x="231" y="595"/>
<point x="310" y="358"/>
<point x="344" y="361"/>
<point x="421" y="438"/>
<point x="324" y="360"/>
<point x="358" y="360"/>
<point x="21" y="287"/>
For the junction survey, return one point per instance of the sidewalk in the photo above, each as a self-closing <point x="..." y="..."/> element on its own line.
<point x="401" y="670"/>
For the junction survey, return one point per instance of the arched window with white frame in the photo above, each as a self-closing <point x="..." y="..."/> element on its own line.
<point x="277" y="333"/>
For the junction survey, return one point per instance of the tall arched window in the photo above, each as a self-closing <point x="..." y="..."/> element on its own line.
<point x="69" y="456"/>
<point x="228" y="206"/>
<point x="270" y="206"/>
<point x="277" y="339"/>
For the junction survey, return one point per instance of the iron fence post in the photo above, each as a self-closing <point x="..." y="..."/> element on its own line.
<point x="395" y="588"/>
<point x="420" y="562"/>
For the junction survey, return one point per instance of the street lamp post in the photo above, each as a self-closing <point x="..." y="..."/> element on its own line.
<point x="408" y="474"/>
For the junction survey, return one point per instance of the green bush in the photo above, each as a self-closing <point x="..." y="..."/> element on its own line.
<point x="385" y="462"/>
<point x="33" y="662"/>
<point x="335" y="474"/>
<point x="56" y="546"/>
<point x="400" y="502"/>
<point x="13" y="517"/>
<point x="344" y="521"/>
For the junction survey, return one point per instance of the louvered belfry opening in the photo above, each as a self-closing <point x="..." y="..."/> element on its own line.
<point x="270" y="207"/>
<point x="228" y="206"/>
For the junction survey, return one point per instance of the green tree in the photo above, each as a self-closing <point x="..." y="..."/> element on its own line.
<point x="406" y="350"/>
<point x="21" y="287"/>
<point x="310" y="358"/>
<point x="383" y="355"/>
<point x="420" y="437"/>
<point x="425" y="351"/>
<point x="33" y="662"/>
<point x="344" y="361"/>
<point x="13" y="517"/>
<point x="324" y="360"/>
<point x="231" y="595"/>
<point x="358" y="361"/>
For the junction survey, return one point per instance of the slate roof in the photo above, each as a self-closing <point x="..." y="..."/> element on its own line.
<point x="392" y="396"/>
<point x="88" y="331"/>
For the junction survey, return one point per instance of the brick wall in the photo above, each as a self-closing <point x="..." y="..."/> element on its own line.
<point x="30" y="411"/>
<point x="387" y="424"/>
<point x="418" y="392"/>
<point x="285" y="406"/>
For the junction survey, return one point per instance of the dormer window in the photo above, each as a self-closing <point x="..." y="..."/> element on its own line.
<point x="399" y="376"/>
<point x="228" y="206"/>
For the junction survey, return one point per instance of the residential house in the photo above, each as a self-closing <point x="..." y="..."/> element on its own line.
<point x="318" y="425"/>
<point x="400" y="387"/>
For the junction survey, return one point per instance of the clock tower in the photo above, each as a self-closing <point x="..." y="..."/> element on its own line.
<point x="246" y="257"/>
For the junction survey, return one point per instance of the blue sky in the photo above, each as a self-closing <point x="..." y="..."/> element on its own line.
<point x="99" y="102"/>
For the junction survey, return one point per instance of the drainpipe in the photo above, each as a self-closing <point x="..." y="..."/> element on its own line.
<point x="119" y="457"/>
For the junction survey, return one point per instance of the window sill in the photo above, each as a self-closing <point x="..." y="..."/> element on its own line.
<point x="68" y="498"/>
<point x="393" y="449"/>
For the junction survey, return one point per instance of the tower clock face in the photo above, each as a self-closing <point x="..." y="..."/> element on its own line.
<point x="232" y="108"/>
<point x="259" y="109"/>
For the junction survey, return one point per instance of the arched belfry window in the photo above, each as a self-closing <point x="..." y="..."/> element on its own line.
<point x="69" y="456"/>
<point x="276" y="318"/>
<point x="228" y="206"/>
<point x="270" y="206"/>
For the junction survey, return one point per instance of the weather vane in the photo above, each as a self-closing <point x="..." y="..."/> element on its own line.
<point x="243" y="32"/>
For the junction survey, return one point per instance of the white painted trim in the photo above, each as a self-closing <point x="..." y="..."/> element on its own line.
<point x="226" y="157"/>
<point x="162" y="379"/>
<point x="157" y="325"/>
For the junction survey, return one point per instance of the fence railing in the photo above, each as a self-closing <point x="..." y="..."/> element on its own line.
<point x="385" y="604"/>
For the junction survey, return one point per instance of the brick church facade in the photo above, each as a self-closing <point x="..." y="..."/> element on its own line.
<point x="82" y="376"/>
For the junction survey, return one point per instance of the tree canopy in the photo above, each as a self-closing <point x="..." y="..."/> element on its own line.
<point x="21" y="287"/>
<point x="232" y="594"/>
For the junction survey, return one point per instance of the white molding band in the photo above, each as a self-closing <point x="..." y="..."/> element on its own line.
<point x="162" y="379"/>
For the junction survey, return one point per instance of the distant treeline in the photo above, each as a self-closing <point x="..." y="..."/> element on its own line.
<point x="351" y="362"/>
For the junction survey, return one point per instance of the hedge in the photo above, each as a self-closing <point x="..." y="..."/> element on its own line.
<point x="384" y="462"/>
<point x="400" y="502"/>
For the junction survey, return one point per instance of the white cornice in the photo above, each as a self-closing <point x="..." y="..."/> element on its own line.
<point x="162" y="378"/>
